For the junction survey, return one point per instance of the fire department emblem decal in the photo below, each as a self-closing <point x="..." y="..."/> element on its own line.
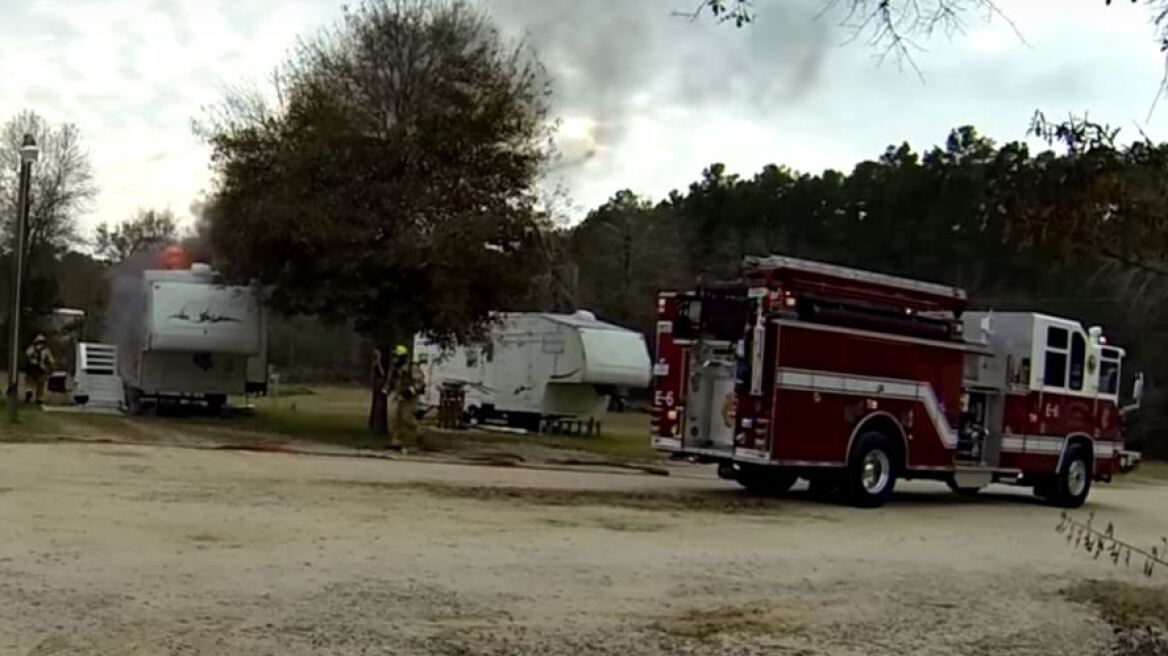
<point x="729" y="407"/>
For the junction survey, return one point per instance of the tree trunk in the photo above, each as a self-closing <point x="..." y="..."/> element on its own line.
<point x="379" y="403"/>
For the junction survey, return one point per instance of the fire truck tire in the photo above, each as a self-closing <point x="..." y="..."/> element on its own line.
<point x="1073" y="482"/>
<point x="770" y="481"/>
<point x="872" y="469"/>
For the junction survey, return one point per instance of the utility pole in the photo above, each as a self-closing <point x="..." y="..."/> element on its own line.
<point x="28" y="155"/>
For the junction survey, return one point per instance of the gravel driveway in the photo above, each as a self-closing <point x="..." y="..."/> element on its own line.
<point x="149" y="550"/>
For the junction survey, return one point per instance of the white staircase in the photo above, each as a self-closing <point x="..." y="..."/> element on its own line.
<point x="96" y="383"/>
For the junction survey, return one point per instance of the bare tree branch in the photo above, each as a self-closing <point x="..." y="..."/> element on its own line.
<point x="62" y="183"/>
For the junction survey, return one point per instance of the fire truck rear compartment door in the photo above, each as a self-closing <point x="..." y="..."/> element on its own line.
<point x="711" y="388"/>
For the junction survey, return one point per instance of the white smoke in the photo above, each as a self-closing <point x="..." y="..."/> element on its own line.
<point x="612" y="61"/>
<point x="123" y="314"/>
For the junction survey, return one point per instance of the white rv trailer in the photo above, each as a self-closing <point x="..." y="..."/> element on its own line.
<point x="539" y="365"/>
<point x="189" y="337"/>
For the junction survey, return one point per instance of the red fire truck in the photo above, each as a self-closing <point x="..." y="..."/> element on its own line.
<point x="852" y="380"/>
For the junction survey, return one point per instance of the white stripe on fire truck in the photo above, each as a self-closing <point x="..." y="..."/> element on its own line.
<point x="1051" y="445"/>
<point x="877" y="387"/>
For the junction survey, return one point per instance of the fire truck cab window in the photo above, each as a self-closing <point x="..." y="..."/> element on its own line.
<point x="1054" y="370"/>
<point x="1078" y="361"/>
<point x="1109" y="368"/>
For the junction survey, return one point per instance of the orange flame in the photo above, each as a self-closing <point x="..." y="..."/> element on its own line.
<point x="174" y="258"/>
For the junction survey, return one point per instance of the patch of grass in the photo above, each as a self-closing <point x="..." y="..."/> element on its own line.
<point x="335" y="415"/>
<point x="32" y="424"/>
<point x="1123" y="605"/>
<point x="623" y="435"/>
<point x="1157" y="469"/>
<point x="339" y="415"/>
<point x="707" y="623"/>
<point x="294" y="390"/>
<point x="333" y="428"/>
<point x="90" y="426"/>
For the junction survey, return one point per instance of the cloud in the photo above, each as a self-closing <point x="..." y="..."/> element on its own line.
<point x="133" y="73"/>
<point x="670" y="97"/>
<point x="647" y="99"/>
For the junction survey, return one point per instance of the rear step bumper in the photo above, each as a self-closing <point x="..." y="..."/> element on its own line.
<point x="1128" y="460"/>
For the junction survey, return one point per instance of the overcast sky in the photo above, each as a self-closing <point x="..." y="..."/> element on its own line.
<point x="647" y="100"/>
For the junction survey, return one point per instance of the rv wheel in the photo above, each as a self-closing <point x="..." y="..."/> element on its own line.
<point x="871" y="472"/>
<point x="215" y="402"/>
<point x="133" y="400"/>
<point x="472" y="416"/>
<point x="1073" y="482"/>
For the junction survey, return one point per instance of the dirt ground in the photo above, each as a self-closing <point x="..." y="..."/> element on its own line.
<point x="114" y="549"/>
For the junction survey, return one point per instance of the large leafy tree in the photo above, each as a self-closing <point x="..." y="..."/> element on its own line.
<point x="392" y="184"/>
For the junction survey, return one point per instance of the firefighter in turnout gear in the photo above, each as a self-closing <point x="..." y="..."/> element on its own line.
<point x="38" y="364"/>
<point x="406" y="384"/>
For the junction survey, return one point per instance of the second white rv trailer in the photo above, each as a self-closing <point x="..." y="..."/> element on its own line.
<point x="539" y="365"/>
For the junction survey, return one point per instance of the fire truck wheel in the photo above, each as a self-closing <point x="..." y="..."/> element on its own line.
<point x="871" y="473"/>
<point x="1073" y="483"/>
<point x="770" y="481"/>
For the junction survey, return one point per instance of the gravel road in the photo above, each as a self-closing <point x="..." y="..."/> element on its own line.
<point x="110" y="549"/>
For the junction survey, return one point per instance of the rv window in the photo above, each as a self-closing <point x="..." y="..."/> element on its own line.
<point x="489" y="351"/>
<point x="1109" y="377"/>
<point x="553" y="344"/>
<point x="472" y="357"/>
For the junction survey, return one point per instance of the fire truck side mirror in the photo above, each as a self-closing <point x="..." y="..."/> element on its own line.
<point x="1137" y="394"/>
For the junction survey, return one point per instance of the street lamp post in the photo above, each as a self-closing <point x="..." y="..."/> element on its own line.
<point x="28" y="155"/>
